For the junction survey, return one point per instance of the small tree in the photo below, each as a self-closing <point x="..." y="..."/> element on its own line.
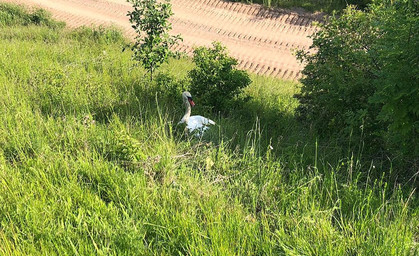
<point x="214" y="80"/>
<point x="152" y="44"/>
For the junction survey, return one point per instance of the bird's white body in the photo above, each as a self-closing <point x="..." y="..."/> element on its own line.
<point x="194" y="124"/>
<point x="199" y="122"/>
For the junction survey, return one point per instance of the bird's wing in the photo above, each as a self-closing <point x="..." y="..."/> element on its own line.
<point x="200" y="120"/>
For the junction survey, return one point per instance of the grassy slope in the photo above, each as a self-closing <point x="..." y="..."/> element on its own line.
<point x="89" y="164"/>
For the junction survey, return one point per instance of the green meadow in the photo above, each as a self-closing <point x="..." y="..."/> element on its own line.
<point x="93" y="163"/>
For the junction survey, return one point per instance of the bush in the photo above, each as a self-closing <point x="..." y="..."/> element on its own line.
<point x="338" y="77"/>
<point x="214" y="80"/>
<point x="362" y="80"/>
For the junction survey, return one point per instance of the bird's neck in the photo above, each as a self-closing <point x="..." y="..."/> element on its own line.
<point x="185" y="118"/>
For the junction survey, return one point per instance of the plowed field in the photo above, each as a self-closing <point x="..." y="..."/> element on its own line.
<point x="262" y="40"/>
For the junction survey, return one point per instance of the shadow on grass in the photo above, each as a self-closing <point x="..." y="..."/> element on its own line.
<point x="259" y="122"/>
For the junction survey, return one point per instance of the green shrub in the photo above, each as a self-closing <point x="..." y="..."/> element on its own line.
<point x="397" y="80"/>
<point x="338" y="77"/>
<point x="215" y="80"/>
<point x="362" y="80"/>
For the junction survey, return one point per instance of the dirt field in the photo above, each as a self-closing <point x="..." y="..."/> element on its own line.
<point x="262" y="40"/>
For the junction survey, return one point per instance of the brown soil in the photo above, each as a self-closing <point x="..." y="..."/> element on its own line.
<point x="263" y="40"/>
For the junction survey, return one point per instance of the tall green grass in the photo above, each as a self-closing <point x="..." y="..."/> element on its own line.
<point x="91" y="163"/>
<point x="12" y="15"/>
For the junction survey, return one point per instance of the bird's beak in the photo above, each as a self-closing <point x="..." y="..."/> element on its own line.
<point x="191" y="102"/>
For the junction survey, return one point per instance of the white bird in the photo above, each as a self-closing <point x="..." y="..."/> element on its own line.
<point x="196" y="124"/>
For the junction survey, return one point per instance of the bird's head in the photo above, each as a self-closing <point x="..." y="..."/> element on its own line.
<point x="187" y="97"/>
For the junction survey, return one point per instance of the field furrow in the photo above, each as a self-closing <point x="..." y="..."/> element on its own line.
<point x="263" y="40"/>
